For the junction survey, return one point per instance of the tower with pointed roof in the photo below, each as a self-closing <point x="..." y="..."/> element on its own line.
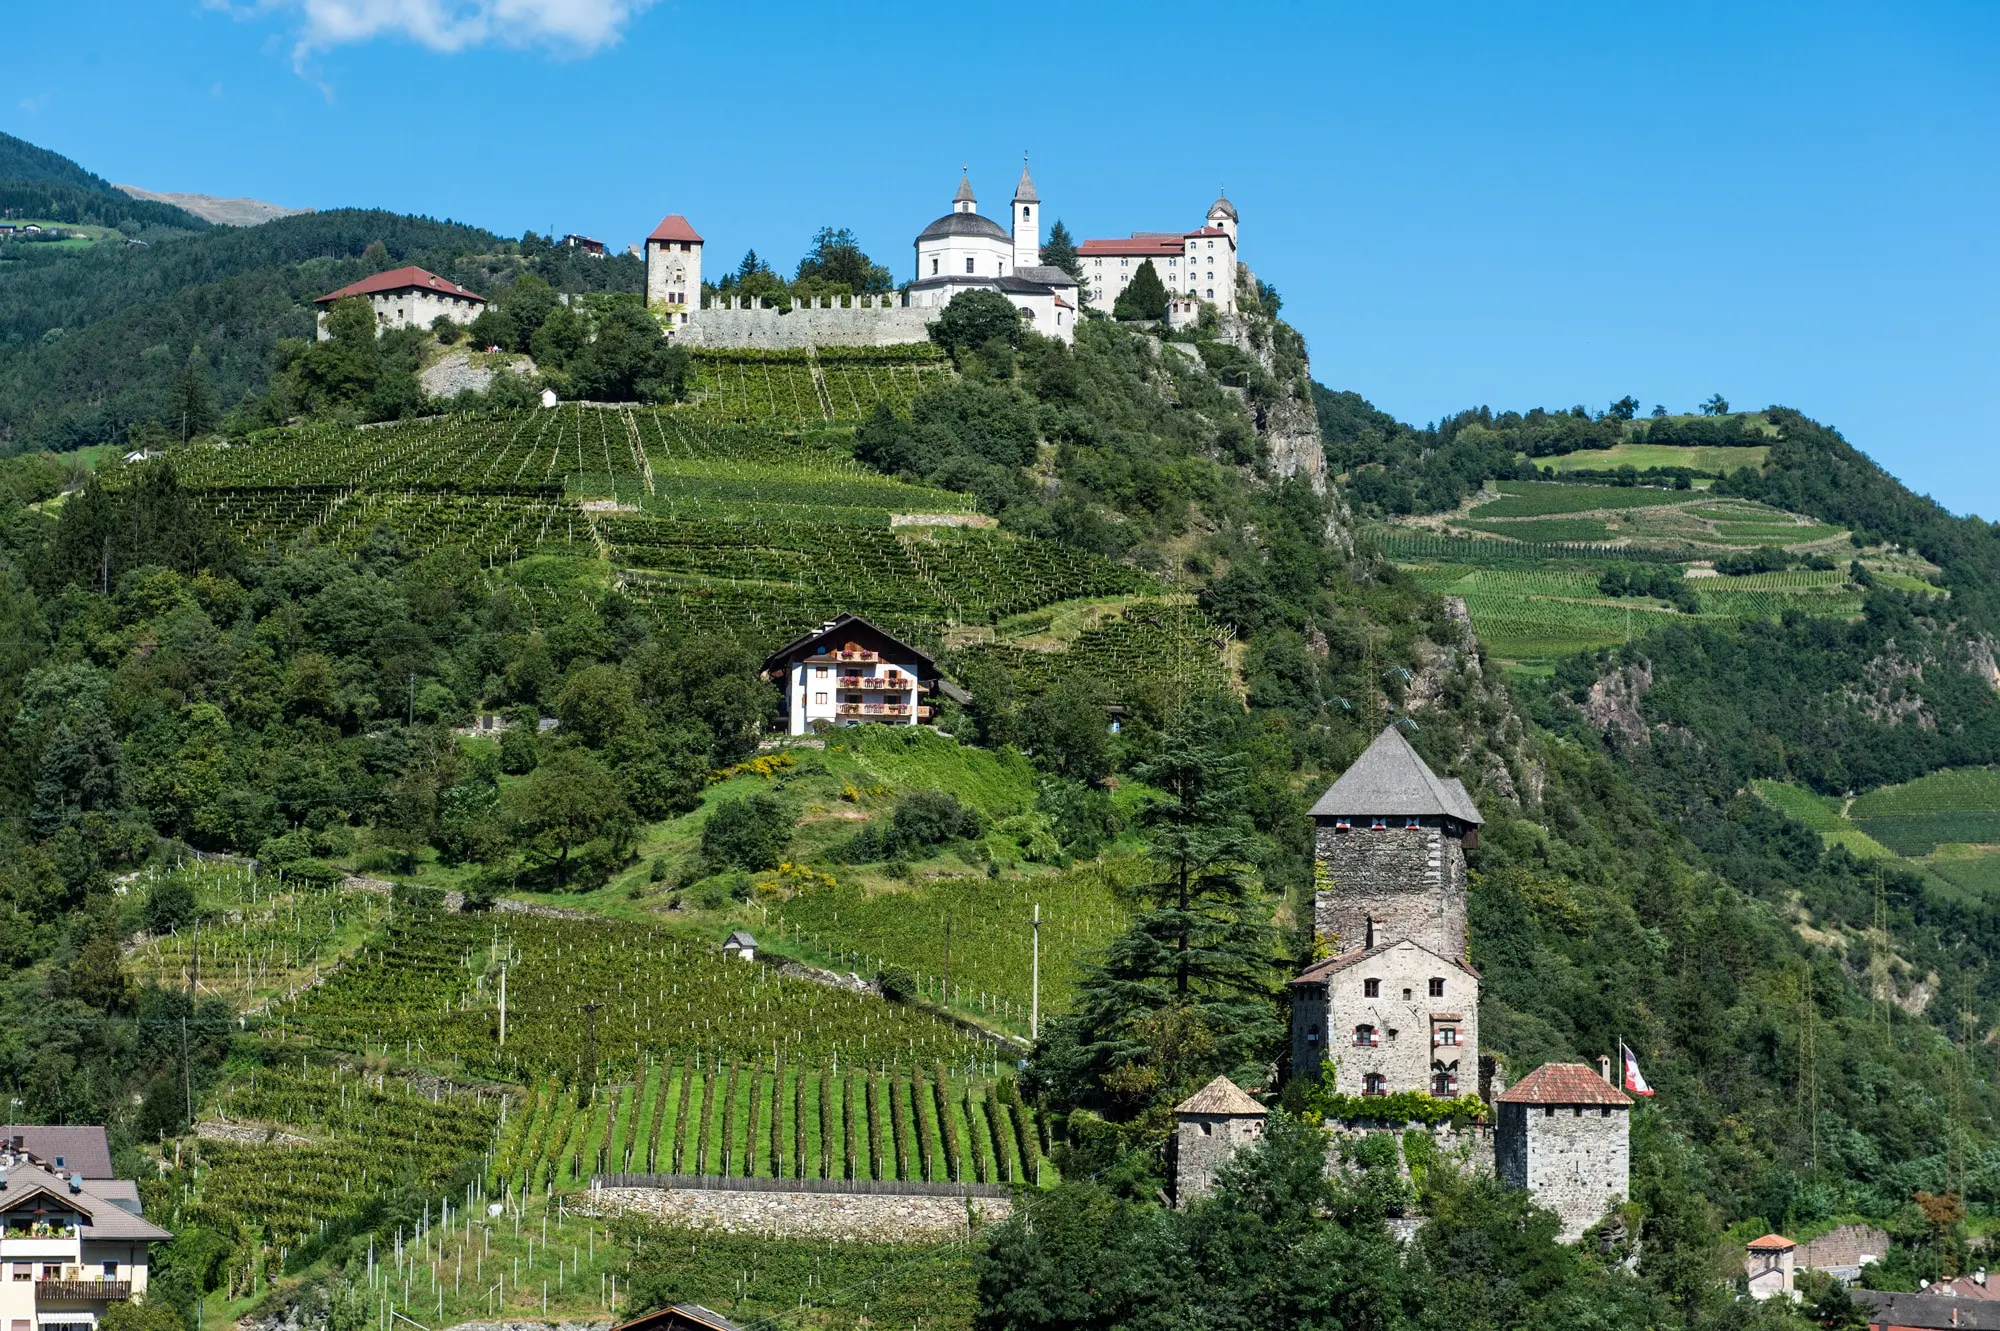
<point x="1027" y="221"/>
<point x="1392" y="1003"/>
<point x="1211" y="1125"/>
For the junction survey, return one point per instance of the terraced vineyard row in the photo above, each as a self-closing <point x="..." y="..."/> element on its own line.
<point x="300" y="1145"/>
<point x="756" y="1119"/>
<point x="1150" y="645"/>
<point x="258" y="936"/>
<point x="803" y="388"/>
<point x="431" y="993"/>
<point x="494" y="527"/>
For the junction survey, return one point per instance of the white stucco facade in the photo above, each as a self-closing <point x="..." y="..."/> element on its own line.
<point x="406" y="298"/>
<point x="854" y="685"/>
<point x="1197" y="267"/>
<point x="964" y="251"/>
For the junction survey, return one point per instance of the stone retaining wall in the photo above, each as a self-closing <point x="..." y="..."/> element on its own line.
<point x="772" y="329"/>
<point x="880" y="1219"/>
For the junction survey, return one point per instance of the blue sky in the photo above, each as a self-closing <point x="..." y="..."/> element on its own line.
<point x="1510" y="204"/>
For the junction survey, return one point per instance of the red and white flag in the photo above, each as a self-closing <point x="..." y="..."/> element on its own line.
<point x="1635" y="1081"/>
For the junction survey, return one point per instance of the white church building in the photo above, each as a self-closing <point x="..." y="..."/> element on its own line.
<point x="965" y="251"/>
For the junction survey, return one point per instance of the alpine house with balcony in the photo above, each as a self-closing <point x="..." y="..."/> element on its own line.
<point x="71" y="1246"/>
<point x="849" y="672"/>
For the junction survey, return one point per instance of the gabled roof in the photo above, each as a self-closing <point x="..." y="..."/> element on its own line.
<point x="675" y="227"/>
<point x="836" y="627"/>
<point x="1221" y="1096"/>
<point x="1391" y="780"/>
<point x="1141" y="243"/>
<point x="739" y="938"/>
<point x="100" y="1217"/>
<point x="82" y="1147"/>
<point x="400" y="279"/>
<point x="1771" y="1243"/>
<point x="1562" y="1084"/>
<point x="1047" y="274"/>
<point x="678" y="1317"/>
<point x="1320" y="971"/>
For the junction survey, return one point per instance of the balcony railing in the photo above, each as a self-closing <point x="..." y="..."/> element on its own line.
<point x="855" y="656"/>
<point x="899" y="683"/>
<point x="874" y="709"/>
<point x="83" y="1289"/>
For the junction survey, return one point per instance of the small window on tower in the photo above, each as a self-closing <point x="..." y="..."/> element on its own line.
<point x="1371" y="988"/>
<point x="968" y="265"/>
<point x="1437" y="986"/>
<point x="934" y="265"/>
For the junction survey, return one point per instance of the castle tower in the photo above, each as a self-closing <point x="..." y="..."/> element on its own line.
<point x="1211" y="1125"/>
<point x="1565" y="1135"/>
<point x="1027" y="222"/>
<point x="673" y="269"/>
<point x="1392" y="837"/>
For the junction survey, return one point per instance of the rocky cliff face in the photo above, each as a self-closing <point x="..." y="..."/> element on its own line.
<point x="1284" y="415"/>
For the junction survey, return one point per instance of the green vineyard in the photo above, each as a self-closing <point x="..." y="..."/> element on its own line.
<point x="790" y="389"/>
<point x="591" y="1000"/>
<point x="688" y="1116"/>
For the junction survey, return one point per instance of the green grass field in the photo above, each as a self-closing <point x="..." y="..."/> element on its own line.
<point x="1534" y="499"/>
<point x="1643" y="456"/>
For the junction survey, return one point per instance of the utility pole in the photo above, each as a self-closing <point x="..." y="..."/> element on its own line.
<point x="1035" y="981"/>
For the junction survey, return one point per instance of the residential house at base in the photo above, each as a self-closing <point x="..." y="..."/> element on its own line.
<point x="850" y="672"/>
<point x="70" y="1245"/>
<point x="405" y="298"/>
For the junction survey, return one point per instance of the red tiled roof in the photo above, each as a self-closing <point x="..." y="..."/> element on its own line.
<point x="399" y="279"/>
<point x="675" y="227"/>
<point x="1562" y="1084"/>
<point x="1771" y="1243"/>
<point x="1207" y="231"/>
<point x="1139" y="244"/>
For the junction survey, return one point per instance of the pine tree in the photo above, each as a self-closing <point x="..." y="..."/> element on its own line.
<point x="1060" y="251"/>
<point x="1144" y="298"/>
<point x="1189" y="989"/>
<point x="190" y="402"/>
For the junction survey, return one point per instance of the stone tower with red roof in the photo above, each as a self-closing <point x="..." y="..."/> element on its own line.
<point x="1564" y="1135"/>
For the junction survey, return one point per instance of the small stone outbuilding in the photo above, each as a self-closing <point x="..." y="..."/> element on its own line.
<point x="1211" y="1125"/>
<point x="1768" y="1264"/>
<point x="740" y="945"/>
<point x="1565" y="1135"/>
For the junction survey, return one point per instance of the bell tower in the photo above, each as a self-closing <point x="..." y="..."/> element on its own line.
<point x="1027" y="207"/>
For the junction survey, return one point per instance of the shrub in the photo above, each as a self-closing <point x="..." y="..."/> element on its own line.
<point x="169" y="906"/>
<point x="749" y="833"/>
<point x="922" y="821"/>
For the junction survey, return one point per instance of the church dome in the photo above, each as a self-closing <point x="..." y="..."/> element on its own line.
<point x="1224" y="206"/>
<point x="964" y="224"/>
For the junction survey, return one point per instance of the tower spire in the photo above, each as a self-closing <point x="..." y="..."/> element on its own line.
<point x="963" y="201"/>
<point x="1025" y="191"/>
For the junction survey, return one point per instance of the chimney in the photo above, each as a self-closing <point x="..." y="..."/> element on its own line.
<point x="1371" y="932"/>
<point x="1604" y="1068"/>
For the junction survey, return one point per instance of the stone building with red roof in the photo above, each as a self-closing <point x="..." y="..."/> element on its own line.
<point x="1564" y="1135"/>
<point x="673" y="269"/>
<point x="405" y="298"/>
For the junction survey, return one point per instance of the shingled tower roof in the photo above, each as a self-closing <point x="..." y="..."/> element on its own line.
<point x="1390" y="780"/>
<point x="1221" y="1096"/>
<point x="1562" y="1084"/>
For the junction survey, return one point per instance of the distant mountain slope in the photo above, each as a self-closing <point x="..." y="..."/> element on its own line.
<point x="23" y="161"/>
<point x="223" y="212"/>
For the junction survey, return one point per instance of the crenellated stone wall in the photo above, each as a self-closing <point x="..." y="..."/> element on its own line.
<point x="1411" y="880"/>
<point x="869" y="321"/>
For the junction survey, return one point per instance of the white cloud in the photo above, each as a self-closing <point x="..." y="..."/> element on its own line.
<point x="576" y="27"/>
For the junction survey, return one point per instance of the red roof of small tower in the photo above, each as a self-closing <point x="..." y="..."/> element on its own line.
<point x="675" y="227"/>
<point x="399" y="279"/>
<point x="1771" y="1243"/>
<point x="1562" y="1084"/>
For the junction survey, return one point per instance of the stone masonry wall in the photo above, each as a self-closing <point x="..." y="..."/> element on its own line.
<point x="1412" y="880"/>
<point x="769" y="328"/>
<point x="876" y="1218"/>
<point x="1577" y="1164"/>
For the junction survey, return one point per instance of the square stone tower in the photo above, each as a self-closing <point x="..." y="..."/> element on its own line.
<point x="1390" y="840"/>
<point x="1211" y="1125"/>
<point x="1564" y="1135"/>
<point x="673" y="269"/>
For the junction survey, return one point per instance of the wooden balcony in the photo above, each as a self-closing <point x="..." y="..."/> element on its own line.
<point x="866" y="657"/>
<point x="895" y="683"/>
<point x="868" y="709"/>
<point x="83" y="1289"/>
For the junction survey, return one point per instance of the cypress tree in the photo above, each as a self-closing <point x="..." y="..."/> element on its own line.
<point x="1144" y="298"/>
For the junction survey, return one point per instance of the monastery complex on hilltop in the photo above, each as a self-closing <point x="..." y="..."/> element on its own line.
<point x="963" y="250"/>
